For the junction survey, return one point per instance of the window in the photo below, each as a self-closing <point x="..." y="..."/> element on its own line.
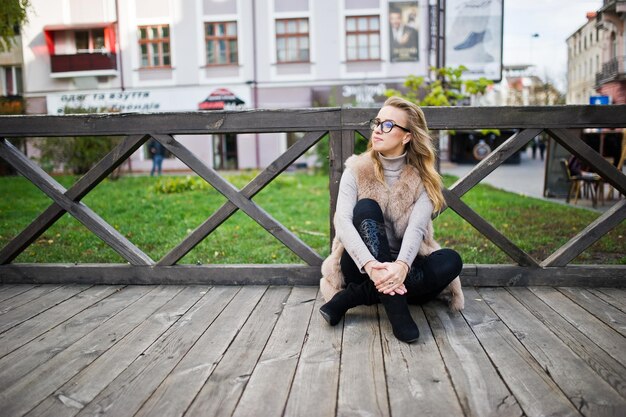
<point x="11" y="79"/>
<point x="225" y="151"/>
<point x="362" y="38"/>
<point x="154" y="44"/>
<point x="292" y="40"/>
<point x="90" y="41"/>
<point x="221" y="43"/>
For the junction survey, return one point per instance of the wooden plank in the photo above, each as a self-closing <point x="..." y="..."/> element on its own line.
<point x="487" y="230"/>
<point x="81" y="212"/>
<point x="49" y="319"/>
<point x="126" y="394"/>
<point x="178" y="390"/>
<point x="416" y="373"/>
<point x="88" y="383"/>
<point x="588" y="236"/>
<point x="221" y="392"/>
<point x="308" y="119"/>
<point x="472" y="275"/>
<point x="24" y="296"/>
<point x="362" y="374"/>
<point x="218" y="122"/>
<point x="314" y="387"/>
<point x="23" y="360"/>
<point x="608" y="314"/>
<point x="614" y="296"/>
<point x="268" y="388"/>
<point x="254" y="211"/>
<point x="493" y="161"/>
<point x="250" y="190"/>
<point x="10" y="291"/>
<point x="509" y="117"/>
<point x="600" y="165"/>
<point x="519" y="276"/>
<point x="46" y="300"/>
<point x="589" y="393"/>
<point x="535" y="391"/>
<point x="224" y="274"/>
<point x="479" y="388"/>
<point x="46" y="378"/>
<point x="83" y="186"/>
<point x="609" y="340"/>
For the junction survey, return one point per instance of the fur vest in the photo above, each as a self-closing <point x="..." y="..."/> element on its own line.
<point x="396" y="203"/>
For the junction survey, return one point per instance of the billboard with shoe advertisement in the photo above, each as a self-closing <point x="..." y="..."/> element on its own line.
<point x="474" y="37"/>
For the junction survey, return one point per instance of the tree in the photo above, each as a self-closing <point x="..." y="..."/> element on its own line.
<point x="75" y="154"/>
<point x="448" y="88"/>
<point x="13" y="14"/>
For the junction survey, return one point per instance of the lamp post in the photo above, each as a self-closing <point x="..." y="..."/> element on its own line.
<point x="533" y="36"/>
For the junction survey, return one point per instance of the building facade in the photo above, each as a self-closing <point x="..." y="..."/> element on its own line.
<point x="611" y="77"/>
<point x="584" y="61"/>
<point x="175" y="55"/>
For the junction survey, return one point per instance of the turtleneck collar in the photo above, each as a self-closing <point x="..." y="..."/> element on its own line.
<point x="395" y="163"/>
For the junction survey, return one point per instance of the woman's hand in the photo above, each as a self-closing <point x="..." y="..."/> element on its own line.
<point x="391" y="280"/>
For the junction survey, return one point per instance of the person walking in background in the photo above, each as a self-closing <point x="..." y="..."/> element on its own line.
<point x="384" y="250"/>
<point x="157" y="153"/>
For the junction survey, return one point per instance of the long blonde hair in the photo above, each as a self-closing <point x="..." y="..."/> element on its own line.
<point x="420" y="151"/>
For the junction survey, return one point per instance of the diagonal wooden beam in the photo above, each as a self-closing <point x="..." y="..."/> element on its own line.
<point x="259" y="215"/>
<point x="81" y="212"/>
<point x="588" y="236"/>
<point x="493" y="161"/>
<point x="249" y="191"/>
<point x="600" y="165"/>
<point x="83" y="186"/>
<point x="487" y="230"/>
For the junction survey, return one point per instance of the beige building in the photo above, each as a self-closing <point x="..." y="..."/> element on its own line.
<point x="584" y="61"/>
<point x="185" y="55"/>
<point x="611" y="78"/>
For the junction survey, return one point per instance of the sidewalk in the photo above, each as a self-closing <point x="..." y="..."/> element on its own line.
<point x="527" y="178"/>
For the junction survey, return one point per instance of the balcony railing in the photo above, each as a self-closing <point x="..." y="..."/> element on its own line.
<point x="611" y="71"/>
<point x="342" y="126"/>
<point x="83" y="62"/>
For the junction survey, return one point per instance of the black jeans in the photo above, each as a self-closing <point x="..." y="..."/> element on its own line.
<point x="428" y="275"/>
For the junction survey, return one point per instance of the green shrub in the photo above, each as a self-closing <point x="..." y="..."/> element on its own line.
<point x="174" y="185"/>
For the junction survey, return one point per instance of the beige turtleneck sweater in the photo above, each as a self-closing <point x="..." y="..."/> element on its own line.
<point x="406" y="248"/>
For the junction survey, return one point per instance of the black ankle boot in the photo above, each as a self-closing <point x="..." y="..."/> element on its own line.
<point x="351" y="296"/>
<point x="404" y="328"/>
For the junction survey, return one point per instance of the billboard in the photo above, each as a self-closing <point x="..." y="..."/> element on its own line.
<point x="474" y="37"/>
<point x="403" y="31"/>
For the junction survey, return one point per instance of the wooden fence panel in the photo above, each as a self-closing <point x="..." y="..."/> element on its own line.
<point x="341" y="125"/>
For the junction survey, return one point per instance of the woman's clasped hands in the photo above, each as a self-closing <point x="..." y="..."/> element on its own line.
<point x="388" y="276"/>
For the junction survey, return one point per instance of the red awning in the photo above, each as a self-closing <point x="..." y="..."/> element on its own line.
<point x="218" y="99"/>
<point x="109" y="33"/>
<point x="78" y="26"/>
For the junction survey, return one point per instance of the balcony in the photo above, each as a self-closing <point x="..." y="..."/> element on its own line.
<point x="611" y="71"/>
<point x="86" y="64"/>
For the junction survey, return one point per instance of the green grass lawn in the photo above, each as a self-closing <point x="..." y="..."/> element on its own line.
<point x="156" y="222"/>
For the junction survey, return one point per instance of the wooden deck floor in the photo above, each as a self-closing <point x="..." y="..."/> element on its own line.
<point x="259" y="351"/>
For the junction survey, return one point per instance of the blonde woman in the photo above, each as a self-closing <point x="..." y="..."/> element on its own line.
<point x="384" y="249"/>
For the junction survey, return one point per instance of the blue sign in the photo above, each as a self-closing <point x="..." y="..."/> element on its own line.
<point x="599" y="100"/>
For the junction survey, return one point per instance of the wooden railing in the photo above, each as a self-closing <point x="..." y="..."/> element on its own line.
<point x="342" y="125"/>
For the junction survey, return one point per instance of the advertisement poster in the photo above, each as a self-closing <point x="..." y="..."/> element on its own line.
<point x="403" y="31"/>
<point x="474" y="37"/>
